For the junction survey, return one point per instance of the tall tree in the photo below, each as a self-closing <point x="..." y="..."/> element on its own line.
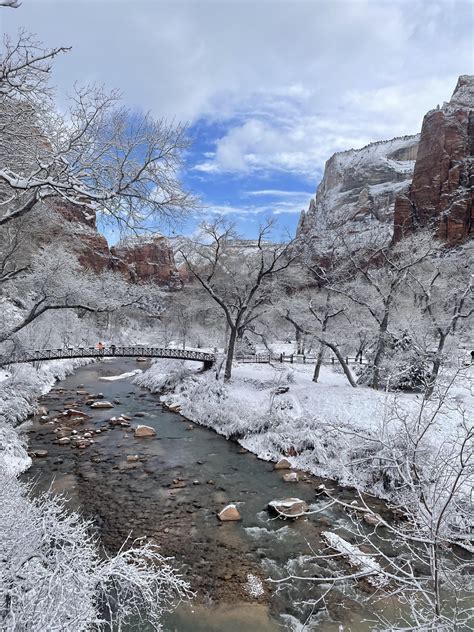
<point x="237" y="274"/>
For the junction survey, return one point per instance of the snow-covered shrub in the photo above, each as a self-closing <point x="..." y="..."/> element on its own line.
<point x="165" y="375"/>
<point x="52" y="576"/>
<point x="19" y="392"/>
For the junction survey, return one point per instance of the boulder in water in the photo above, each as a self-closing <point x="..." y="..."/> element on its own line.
<point x="283" y="464"/>
<point x="72" y="412"/>
<point x="40" y="454"/>
<point x="291" y="477"/>
<point x="144" y="431"/>
<point x="102" y="404"/>
<point x="230" y="513"/>
<point x="288" y="507"/>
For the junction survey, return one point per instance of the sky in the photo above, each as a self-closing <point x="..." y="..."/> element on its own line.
<point x="270" y="89"/>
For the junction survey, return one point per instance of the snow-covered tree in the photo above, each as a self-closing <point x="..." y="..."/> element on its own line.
<point x="374" y="279"/>
<point x="96" y="154"/>
<point x="238" y="275"/>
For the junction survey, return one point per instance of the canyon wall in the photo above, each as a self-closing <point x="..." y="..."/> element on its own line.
<point x="147" y="259"/>
<point x="356" y="197"/>
<point x="389" y="189"/>
<point x="442" y="190"/>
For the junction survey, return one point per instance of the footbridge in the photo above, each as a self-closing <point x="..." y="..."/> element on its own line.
<point x="110" y="351"/>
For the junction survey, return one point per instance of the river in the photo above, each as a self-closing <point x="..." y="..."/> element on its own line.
<point x="184" y="476"/>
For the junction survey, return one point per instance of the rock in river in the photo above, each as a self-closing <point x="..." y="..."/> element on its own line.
<point x="40" y="454"/>
<point x="291" y="477"/>
<point x="283" y="464"/>
<point x="288" y="507"/>
<point x="144" y="431"/>
<point x="229" y="513"/>
<point x="102" y="404"/>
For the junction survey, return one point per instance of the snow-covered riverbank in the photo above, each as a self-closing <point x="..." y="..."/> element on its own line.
<point x="329" y="429"/>
<point x="20" y="389"/>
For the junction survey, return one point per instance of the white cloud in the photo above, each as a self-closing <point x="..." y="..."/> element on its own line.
<point x="292" y="202"/>
<point x="292" y="81"/>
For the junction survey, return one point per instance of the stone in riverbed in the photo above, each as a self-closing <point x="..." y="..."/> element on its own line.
<point x="144" y="431"/>
<point x="288" y="507"/>
<point x="133" y="458"/>
<point x="291" y="477"/>
<point x="140" y="414"/>
<point x="72" y="412"/>
<point x="230" y="513"/>
<point x="64" y="440"/>
<point x="283" y="464"/>
<point x="40" y="454"/>
<point x="102" y="404"/>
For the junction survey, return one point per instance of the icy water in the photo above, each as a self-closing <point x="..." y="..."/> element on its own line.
<point x="185" y="475"/>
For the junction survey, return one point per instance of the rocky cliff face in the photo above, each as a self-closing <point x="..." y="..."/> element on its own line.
<point x="147" y="259"/>
<point x="139" y="259"/>
<point x="356" y="197"/>
<point x="77" y="227"/>
<point x="391" y="188"/>
<point x="442" y="190"/>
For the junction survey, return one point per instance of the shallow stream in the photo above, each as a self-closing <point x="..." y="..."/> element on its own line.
<point x="185" y="475"/>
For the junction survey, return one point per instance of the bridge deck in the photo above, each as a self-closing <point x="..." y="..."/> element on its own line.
<point x="109" y="352"/>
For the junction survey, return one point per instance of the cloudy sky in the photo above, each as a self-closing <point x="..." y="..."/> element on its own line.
<point x="269" y="88"/>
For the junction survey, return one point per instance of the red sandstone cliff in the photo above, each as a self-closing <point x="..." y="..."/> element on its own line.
<point x="140" y="259"/>
<point x="442" y="190"/>
<point x="147" y="259"/>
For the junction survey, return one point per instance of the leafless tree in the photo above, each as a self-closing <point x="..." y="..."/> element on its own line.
<point x="54" y="282"/>
<point x="373" y="280"/>
<point x="236" y="274"/>
<point x="446" y="287"/>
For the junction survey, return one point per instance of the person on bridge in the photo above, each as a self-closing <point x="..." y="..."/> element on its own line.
<point x="112" y="348"/>
<point x="101" y="347"/>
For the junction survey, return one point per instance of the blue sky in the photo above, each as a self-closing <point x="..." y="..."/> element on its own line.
<point x="270" y="89"/>
<point x="247" y="196"/>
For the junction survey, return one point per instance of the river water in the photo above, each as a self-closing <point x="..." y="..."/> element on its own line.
<point x="185" y="475"/>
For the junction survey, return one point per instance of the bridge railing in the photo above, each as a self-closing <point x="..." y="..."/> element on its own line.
<point x="37" y="355"/>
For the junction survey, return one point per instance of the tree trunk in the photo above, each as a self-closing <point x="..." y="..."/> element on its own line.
<point x="230" y="353"/>
<point x="436" y="364"/>
<point x="342" y="362"/>
<point x="299" y="335"/>
<point x="379" y="354"/>
<point x="319" y="362"/>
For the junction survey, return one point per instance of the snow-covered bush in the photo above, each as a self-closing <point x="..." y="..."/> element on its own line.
<point x="19" y="391"/>
<point x="52" y="576"/>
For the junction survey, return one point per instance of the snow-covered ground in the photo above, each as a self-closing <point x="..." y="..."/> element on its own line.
<point x="329" y="429"/>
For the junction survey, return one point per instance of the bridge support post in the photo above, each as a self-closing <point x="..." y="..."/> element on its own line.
<point x="207" y="365"/>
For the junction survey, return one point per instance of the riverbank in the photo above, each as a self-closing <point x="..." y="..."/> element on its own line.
<point x="328" y="429"/>
<point x="20" y="388"/>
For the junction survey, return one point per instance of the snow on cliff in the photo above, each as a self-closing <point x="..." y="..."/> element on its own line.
<point x="357" y="193"/>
